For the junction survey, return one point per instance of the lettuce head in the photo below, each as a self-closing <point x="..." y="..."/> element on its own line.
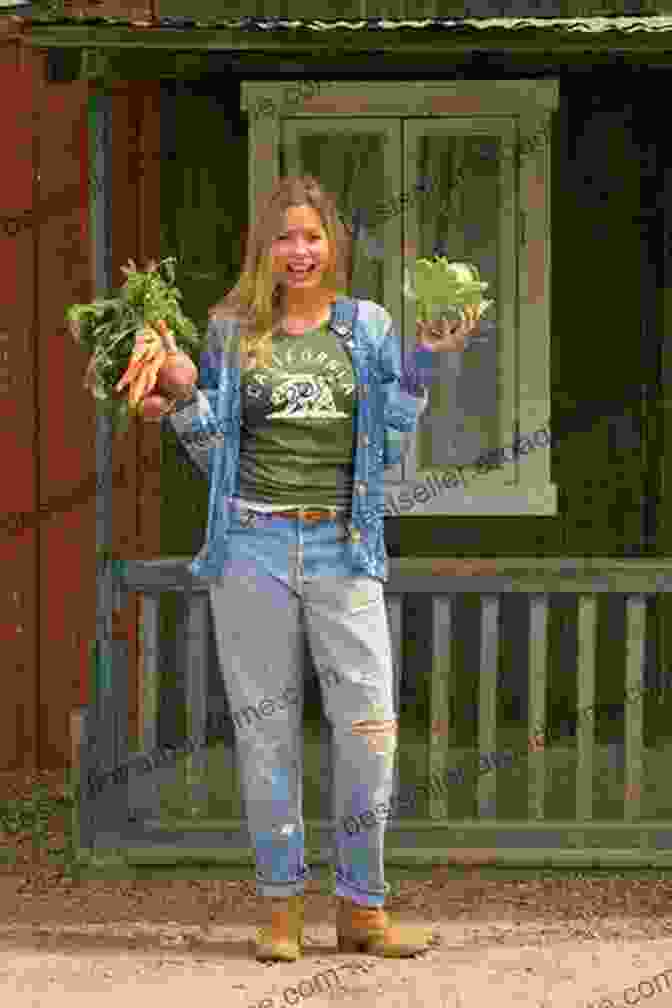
<point x="444" y="289"/>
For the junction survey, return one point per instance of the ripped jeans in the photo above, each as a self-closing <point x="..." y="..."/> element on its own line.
<point x="286" y="577"/>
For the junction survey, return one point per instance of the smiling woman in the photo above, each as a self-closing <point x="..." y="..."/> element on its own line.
<point x="320" y="386"/>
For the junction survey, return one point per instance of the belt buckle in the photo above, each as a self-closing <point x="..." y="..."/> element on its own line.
<point x="246" y="517"/>
<point x="323" y="514"/>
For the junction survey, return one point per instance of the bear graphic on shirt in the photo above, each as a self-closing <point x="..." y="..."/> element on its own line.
<point x="304" y="395"/>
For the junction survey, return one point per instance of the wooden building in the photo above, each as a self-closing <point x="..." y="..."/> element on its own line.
<point x="527" y="137"/>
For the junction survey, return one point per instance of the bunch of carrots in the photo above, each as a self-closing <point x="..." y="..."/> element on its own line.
<point x="151" y="348"/>
<point x="130" y="337"/>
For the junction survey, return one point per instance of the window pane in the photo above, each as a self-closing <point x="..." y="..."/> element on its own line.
<point x="350" y="165"/>
<point x="458" y="216"/>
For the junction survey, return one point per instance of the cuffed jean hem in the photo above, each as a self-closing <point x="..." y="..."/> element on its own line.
<point x="360" y="896"/>
<point x="282" y="890"/>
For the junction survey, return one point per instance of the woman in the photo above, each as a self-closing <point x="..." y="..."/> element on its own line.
<point x="301" y="530"/>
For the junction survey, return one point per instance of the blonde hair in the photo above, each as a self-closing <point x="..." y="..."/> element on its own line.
<point x="255" y="300"/>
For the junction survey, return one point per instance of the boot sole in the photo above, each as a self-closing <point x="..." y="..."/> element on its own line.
<point x="366" y="946"/>
<point x="261" y="955"/>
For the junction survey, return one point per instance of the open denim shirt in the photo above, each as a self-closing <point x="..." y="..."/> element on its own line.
<point x="388" y="406"/>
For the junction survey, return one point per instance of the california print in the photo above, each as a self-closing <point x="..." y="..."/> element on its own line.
<point x="300" y="395"/>
<point x="305" y="396"/>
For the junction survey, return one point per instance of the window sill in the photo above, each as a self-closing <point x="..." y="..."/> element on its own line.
<point x="428" y="497"/>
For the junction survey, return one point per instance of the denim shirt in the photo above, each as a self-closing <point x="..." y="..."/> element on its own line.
<point x="388" y="406"/>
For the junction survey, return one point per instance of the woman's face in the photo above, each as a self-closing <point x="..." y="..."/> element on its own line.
<point x="300" y="251"/>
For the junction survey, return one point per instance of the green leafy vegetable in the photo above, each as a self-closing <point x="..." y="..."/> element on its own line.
<point x="107" y="327"/>
<point x="444" y="289"/>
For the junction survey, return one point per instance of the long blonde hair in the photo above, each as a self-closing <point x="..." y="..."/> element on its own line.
<point x="255" y="300"/>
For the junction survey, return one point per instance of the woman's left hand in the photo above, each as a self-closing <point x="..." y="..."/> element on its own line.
<point x="441" y="335"/>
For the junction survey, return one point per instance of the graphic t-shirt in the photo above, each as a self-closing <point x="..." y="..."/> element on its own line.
<point x="296" y="429"/>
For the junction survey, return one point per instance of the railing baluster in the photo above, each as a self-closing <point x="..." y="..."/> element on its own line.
<point x="196" y="698"/>
<point x="634" y="722"/>
<point x="145" y="793"/>
<point x="538" y="653"/>
<point x="585" y="730"/>
<point x="487" y="704"/>
<point x="118" y="792"/>
<point x="442" y="689"/>
<point x="85" y="819"/>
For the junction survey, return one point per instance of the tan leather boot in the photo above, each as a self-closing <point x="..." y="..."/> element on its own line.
<point x="368" y="930"/>
<point x="281" y="937"/>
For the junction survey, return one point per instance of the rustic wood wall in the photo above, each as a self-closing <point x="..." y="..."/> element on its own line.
<point x="48" y="552"/>
<point x="18" y="427"/>
<point x="46" y="612"/>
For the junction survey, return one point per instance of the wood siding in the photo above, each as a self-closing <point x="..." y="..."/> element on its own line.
<point x="19" y="76"/>
<point x="47" y="607"/>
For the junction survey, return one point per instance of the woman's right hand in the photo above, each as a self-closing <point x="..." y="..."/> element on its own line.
<point x="153" y="407"/>
<point x="178" y="374"/>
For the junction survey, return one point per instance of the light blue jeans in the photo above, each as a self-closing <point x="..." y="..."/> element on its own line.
<point x="286" y="577"/>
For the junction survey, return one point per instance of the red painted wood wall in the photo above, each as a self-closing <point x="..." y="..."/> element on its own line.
<point x="47" y="419"/>
<point x="18" y="421"/>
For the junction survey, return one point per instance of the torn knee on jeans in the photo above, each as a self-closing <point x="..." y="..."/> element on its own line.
<point x="381" y="735"/>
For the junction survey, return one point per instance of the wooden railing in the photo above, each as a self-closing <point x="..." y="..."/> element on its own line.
<point x="171" y="815"/>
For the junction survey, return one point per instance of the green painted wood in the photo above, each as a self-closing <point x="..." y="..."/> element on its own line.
<point x="487" y="702"/>
<point x="441" y="575"/>
<point x="558" y="857"/>
<point x="467" y="829"/>
<point x="537" y="702"/>
<point x="394" y="873"/>
<point x="210" y="10"/>
<point x="499" y="37"/>
<point x="442" y="688"/>
<point x="203" y="173"/>
<point x="478" y="217"/>
<point x="585" y="735"/>
<point x="634" y="683"/>
<point x="599" y="467"/>
<point x="196" y="703"/>
<point x="149" y="686"/>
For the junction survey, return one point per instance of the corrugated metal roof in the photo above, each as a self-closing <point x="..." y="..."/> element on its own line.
<point x="590" y="25"/>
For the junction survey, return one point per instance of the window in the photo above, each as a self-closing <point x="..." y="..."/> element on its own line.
<point x="460" y="169"/>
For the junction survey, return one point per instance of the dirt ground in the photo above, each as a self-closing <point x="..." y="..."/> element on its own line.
<point x="548" y="944"/>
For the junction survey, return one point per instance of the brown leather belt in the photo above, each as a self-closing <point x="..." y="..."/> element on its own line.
<point x="326" y="514"/>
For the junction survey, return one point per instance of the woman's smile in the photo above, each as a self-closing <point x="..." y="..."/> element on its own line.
<point x="300" y="272"/>
<point x="300" y="251"/>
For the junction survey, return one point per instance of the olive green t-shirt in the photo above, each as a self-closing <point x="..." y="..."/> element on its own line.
<point x="296" y="425"/>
